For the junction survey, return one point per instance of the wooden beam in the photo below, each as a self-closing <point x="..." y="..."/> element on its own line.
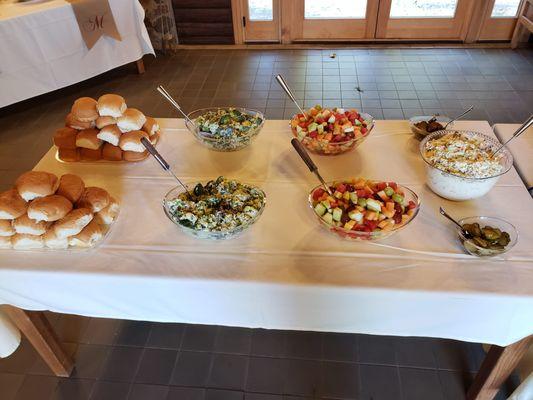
<point x="41" y="335"/>
<point x="140" y="66"/>
<point x="499" y="363"/>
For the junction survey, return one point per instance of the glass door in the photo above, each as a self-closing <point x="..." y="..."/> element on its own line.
<point x="260" y="21"/>
<point x="423" y="19"/>
<point x="333" y="19"/>
<point x="500" y="21"/>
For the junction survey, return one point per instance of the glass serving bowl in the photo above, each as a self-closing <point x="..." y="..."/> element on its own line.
<point x="349" y="234"/>
<point x="459" y="188"/>
<point x="329" y="148"/>
<point x="206" y="234"/>
<point x="441" y="119"/>
<point x="220" y="143"/>
<point x="476" y="250"/>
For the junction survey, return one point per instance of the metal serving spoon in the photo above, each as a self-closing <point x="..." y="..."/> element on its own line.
<point x="288" y="91"/>
<point x="459" y="116"/>
<point x="310" y="164"/>
<point x="465" y="233"/>
<point x="520" y="130"/>
<point x="166" y="166"/>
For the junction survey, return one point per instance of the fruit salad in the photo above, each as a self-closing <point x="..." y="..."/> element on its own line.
<point x="364" y="209"/>
<point x="331" y="131"/>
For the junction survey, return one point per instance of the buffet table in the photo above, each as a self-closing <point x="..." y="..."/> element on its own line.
<point x="287" y="272"/>
<point x="42" y="48"/>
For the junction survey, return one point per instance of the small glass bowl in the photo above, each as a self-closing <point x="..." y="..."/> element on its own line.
<point x="499" y="223"/>
<point x="441" y="119"/>
<point x="220" y="143"/>
<point x="349" y="234"/>
<point x="205" y="234"/>
<point x="328" y="148"/>
<point x="456" y="187"/>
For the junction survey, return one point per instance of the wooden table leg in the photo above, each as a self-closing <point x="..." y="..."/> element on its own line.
<point x="35" y="326"/>
<point x="499" y="363"/>
<point x="140" y="66"/>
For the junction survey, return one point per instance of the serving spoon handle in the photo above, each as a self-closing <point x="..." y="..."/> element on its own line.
<point x="444" y="213"/>
<point x="289" y="93"/>
<point x="310" y="164"/>
<point x="171" y="100"/>
<point x="459" y="116"/>
<point x="519" y="131"/>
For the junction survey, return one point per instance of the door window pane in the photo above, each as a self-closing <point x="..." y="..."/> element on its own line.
<point x="260" y="10"/>
<point x="335" y="9"/>
<point x="505" y="8"/>
<point x="423" y="8"/>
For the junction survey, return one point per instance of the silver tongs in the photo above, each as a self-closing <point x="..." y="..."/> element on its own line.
<point x="520" y="130"/>
<point x="166" y="166"/>
<point x="310" y="164"/>
<point x="169" y="98"/>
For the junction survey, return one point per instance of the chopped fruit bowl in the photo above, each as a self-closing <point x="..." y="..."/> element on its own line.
<point x="362" y="209"/>
<point x="331" y="131"/>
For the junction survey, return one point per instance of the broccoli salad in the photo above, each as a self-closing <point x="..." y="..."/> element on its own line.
<point x="217" y="206"/>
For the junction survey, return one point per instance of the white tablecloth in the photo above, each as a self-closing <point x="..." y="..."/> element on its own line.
<point x="41" y="47"/>
<point x="521" y="148"/>
<point x="287" y="272"/>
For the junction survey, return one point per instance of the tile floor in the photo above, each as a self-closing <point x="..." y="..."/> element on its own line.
<point x="138" y="360"/>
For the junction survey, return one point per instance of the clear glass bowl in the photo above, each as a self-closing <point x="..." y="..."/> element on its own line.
<point x="475" y="250"/>
<point x="328" y="148"/>
<point x="349" y="234"/>
<point x="442" y="119"/>
<point x="205" y="234"/>
<point x="456" y="187"/>
<point x="231" y="143"/>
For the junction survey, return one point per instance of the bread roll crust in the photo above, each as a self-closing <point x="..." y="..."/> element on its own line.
<point x="102" y="122"/>
<point x="65" y="138"/>
<point x="28" y="226"/>
<point x="84" y="109"/>
<point x="22" y="241"/>
<point x="72" y="223"/>
<point x="68" y="155"/>
<point x="133" y="156"/>
<point x="109" y="214"/>
<point x="6" y="227"/>
<point x="90" y="155"/>
<point x="88" y="139"/>
<point x="131" y="141"/>
<point x="131" y="120"/>
<point x="151" y="126"/>
<point x="88" y="236"/>
<point x="72" y="122"/>
<point x="71" y="187"/>
<point x="49" y="208"/>
<point x="12" y="205"/>
<point x="5" y="242"/>
<point x="110" y="134"/>
<point x="111" y="153"/>
<point x="94" y="198"/>
<point x="111" y="105"/>
<point x="52" y="241"/>
<point x="33" y="184"/>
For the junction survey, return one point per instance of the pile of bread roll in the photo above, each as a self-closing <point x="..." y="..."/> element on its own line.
<point x="42" y="211"/>
<point x="104" y="130"/>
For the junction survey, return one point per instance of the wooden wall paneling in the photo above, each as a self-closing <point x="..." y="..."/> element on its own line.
<point x="236" y="11"/>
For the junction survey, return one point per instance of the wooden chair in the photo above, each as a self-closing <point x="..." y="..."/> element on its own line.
<point x="523" y="22"/>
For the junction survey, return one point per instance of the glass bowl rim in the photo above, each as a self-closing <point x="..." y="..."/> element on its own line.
<point x="492" y="141"/>
<point x="228" y="231"/>
<point x="418" y="203"/>
<point x="488" y="218"/>
<point x="373" y="123"/>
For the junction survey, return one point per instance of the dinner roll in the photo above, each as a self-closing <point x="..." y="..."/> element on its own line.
<point x="22" y="241"/>
<point x="6" y="228"/>
<point x="84" y="109"/>
<point x="89" y="235"/>
<point x="131" y="141"/>
<point x="134" y="155"/>
<point x="65" y="138"/>
<point x="5" y="242"/>
<point x="71" y="187"/>
<point x="52" y="241"/>
<point x="110" y="134"/>
<point x="26" y="225"/>
<point x="108" y="214"/>
<point x="72" y="223"/>
<point x="151" y="126"/>
<point x="68" y="155"/>
<point x="111" y="105"/>
<point x="90" y="155"/>
<point x="131" y="120"/>
<point x="111" y="153"/>
<point x="72" y="122"/>
<point x="49" y="208"/>
<point x="154" y="138"/>
<point x="94" y="198"/>
<point x="12" y="205"/>
<point x="105" y="121"/>
<point x="33" y="184"/>
<point x="88" y="139"/>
